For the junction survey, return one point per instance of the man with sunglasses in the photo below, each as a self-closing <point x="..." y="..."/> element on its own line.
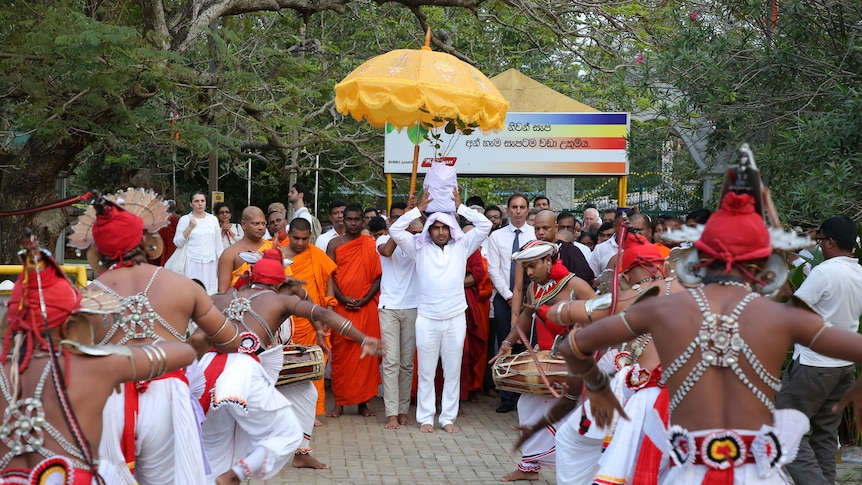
<point x="814" y="383"/>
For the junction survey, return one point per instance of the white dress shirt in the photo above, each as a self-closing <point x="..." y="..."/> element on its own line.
<point x="500" y="255"/>
<point x="440" y="271"/>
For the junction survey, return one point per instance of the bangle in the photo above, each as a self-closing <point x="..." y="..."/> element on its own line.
<point x="345" y="327"/>
<point x="311" y="313"/>
<point x="235" y="335"/>
<point x="548" y="418"/>
<point x="622" y="316"/>
<point x="506" y="343"/>
<point x="219" y="330"/>
<point x="598" y="386"/>
<point x="574" y="345"/>
<point x="364" y="339"/>
<point x="559" y="315"/>
<point x="570" y="397"/>
<point x="306" y="294"/>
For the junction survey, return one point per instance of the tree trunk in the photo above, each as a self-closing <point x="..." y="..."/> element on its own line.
<point x="31" y="180"/>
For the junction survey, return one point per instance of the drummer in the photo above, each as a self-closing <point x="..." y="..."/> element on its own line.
<point x="549" y="283"/>
<point x="251" y="429"/>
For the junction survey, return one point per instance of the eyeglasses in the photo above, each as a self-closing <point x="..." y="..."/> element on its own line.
<point x="819" y="239"/>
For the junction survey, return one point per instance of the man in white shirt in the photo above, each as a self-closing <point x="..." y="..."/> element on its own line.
<point x="397" y="308"/>
<point x="502" y="244"/>
<point x="606" y="250"/>
<point x="296" y="197"/>
<point x="336" y="217"/>
<point x="814" y="383"/>
<point x="440" y="252"/>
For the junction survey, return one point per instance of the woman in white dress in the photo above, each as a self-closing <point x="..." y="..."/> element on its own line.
<point x="200" y="233"/>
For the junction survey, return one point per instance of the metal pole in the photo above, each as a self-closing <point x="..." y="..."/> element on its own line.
<point x="248" y="203"/>
<point x="316" y="181"/>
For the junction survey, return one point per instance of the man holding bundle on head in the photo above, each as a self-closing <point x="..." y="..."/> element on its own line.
<point x="440" y="251"/>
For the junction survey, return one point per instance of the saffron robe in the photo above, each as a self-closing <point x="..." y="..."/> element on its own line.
<point x="476" y="342"/>
<point x="356" y="380"/>
<point x="244" y="269"/>
<point x="314" y="267"/>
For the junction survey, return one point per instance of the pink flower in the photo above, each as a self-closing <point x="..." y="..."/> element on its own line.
<point x="694" y="15"/>
<point x="640" y="59"/>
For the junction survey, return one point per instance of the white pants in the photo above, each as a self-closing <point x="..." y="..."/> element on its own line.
<point x="303" y="399"/>
<point x="540" y="448"/>
<point x="436" y="340"/>
<point x="398" y="333"/>
<point x="577" y="455"/>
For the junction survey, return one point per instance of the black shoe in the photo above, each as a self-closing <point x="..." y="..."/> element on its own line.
<point x="505" y="408"/>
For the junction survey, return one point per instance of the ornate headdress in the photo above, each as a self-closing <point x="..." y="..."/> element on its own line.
<point x="116" y="225"/>
<point x="269" y="269"/>
<point x="638" y="251"/>
<point x="737" y="233"/>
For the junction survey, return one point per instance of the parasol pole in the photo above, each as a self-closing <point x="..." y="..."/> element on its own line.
<point x="415" y="169"/>
<point x="413" y="173"/>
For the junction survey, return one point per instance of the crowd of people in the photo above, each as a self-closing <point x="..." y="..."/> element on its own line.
<point x="674" y="347"/>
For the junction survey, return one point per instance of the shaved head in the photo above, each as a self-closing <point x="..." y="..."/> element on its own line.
<point x="545" y="225"/>
<point x="546" y="216"/>
<point x="251" y="212"/>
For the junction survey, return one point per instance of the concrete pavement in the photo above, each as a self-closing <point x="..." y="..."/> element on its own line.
<point x="359" y="451"/>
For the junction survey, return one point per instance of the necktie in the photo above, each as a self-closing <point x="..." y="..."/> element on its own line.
<point x="516" y="246"/>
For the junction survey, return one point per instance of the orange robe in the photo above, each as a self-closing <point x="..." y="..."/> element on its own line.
<point x="244" y="268"/>
<point x="314" y="267"/>
<point x="356" y="380"/>
<point x="486" y="288"/>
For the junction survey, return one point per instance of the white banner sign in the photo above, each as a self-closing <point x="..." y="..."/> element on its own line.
<point x="530" y="144"/>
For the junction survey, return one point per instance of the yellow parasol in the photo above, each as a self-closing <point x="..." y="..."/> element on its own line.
<point x="409" y="87"/>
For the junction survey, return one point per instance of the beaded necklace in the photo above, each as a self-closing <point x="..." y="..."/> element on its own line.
<point x="24" y="425"/>
<point x="138" y="314"/>
<point x="720" y="345"/>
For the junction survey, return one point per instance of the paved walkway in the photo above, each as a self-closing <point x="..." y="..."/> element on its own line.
<point x="359" y="451"/>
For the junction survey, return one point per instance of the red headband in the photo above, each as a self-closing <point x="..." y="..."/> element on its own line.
<point x="24" y="309"/>
<point x="637" y="251"/>
<point x="734" y="233"/>
<point x="270" y="269"/>
<point x="117" y="231"/>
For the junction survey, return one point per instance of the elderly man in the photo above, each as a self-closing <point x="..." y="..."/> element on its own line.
<point x="230" y="266"/>
<point x="591" y="216"/>
<point x="722" y="347"/>
<point x="440" y="251"/>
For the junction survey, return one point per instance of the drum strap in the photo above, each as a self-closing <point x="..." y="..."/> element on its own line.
<point x="551" y="294"/>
